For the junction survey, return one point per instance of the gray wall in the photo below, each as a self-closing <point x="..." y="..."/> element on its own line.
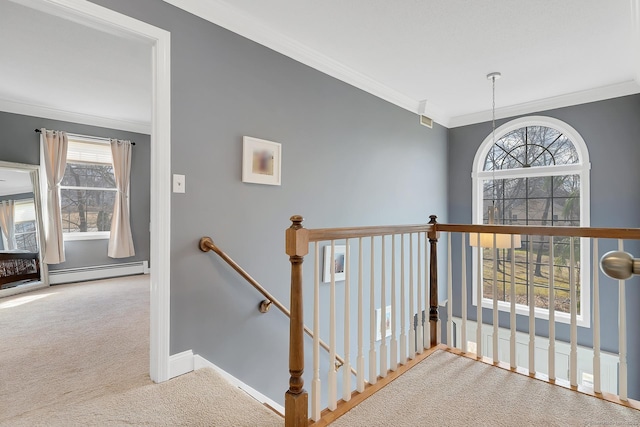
<point x="349" y="158"/>
<point x="610" y="129"/>
<point x="20" y="143"/>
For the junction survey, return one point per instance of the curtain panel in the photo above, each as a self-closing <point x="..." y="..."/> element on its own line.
<point x="7" y="221"/>
<point x="120" y="239"/>
<point x="53" y="151"/>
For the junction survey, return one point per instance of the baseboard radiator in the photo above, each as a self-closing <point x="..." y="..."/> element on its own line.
<point x="81" y="274"/>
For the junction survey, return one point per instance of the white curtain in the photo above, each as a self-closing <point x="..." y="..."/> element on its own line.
<point x="7" y="214"/>
<point x="53" y="148"/>
<point x="120" y="240"/>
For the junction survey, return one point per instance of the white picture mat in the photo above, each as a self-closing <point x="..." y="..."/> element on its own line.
<point x="253" y="146"/>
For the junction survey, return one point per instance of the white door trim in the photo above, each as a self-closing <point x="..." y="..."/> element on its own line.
<point x="159" y="43"/>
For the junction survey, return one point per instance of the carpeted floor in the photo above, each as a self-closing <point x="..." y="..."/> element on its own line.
<point x="78" y="355"/>
<point x="449" y="390"/>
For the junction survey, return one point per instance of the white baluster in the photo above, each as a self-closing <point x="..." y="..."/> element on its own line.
<point x="532" y="311"/>
<point x="622" y="332"/>
<point x="412" y="332"/>
<point x="394" y="342"/>
<point x="573" y="353"/>
<point x="346" y="368"/>
<point x="552" y="314"/>
<point x="333" y="380"/>
<point x="463" y="294"/>
<point x="449" y="294"/>
<point x="495" y="302"/>
<point x="403" y="304"/>
<point x="427" y="325"/>
<point x="479" y="298"/>
<point x="597" y="383"/>
<point x="383" y="313"/>
<point x="373" y="375"/>
<point x="512" y="313"/>
<point x="315" y="383"/>
<point x="360" y="359"/>
<point x="419" y="332"/>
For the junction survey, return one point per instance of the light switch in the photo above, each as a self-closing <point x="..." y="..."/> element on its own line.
<point x="178" y="183"/>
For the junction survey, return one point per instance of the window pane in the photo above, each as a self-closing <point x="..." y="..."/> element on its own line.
<point x="88" y="175"/>
<point x="87" y="210"/>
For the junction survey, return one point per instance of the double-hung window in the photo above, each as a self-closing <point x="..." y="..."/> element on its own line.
<point x="536" y="173"/>
<point x="25" y="225"/>
<point x="88" y="190"/>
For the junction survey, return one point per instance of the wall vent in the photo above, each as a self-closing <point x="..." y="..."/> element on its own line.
<point x="426" y="121"/>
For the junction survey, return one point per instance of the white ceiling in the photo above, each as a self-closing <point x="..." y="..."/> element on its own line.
<point x="426" y="56"/>
<point x="66" y="70"/>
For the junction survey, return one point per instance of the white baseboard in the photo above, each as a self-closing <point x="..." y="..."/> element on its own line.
<point x="70" y="275"/>
<point x="186" y="361"/>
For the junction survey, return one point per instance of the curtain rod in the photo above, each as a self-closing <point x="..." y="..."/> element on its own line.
<point x="85" y="136"/>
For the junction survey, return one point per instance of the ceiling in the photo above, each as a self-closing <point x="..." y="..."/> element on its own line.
<point x="428" y="56"/>
<point x="56" y="68"/>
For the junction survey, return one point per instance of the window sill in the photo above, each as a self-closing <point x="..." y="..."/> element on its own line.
<point x="97" y="235"/>
<point x="540" y="313"/>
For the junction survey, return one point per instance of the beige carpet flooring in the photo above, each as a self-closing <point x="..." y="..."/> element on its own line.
<point x="449" y="390"/>
<point x="78" y="355"/>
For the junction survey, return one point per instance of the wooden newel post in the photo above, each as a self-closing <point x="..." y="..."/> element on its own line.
<point x="433" y="281"/>
<point x="295" y="399"/>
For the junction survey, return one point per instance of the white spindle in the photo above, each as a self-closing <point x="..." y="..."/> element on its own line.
<point x="532" y="311"/>
<point x="449" y="294"/>
<point x="403" y="303"/>
<point x="373" y="375"/>
<point x="427" y="326"/>
<point x="597" y="384"/>
<point x="346" y="368"/>
<point x="495" y="301"/>
<point x="383" y="312"/>
<point x="419" y="332"/>
<point x="412" y="332"/>
<point x="552" y="314"/>
<point x="479" y="298"/>
<point x="333" y="380"/>
<point x="394" y="342"/>
<point x="315" y="383"/>
<point x="622" y="334"/>
<point x="573" y="353"/>
<point x="463" y="295"/>
<point x="360" y="359"/>
<point x="512" y="313"/>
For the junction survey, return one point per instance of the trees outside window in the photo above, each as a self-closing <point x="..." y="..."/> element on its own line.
<point x="88" y="190"/>
<point x="536" y="173"/>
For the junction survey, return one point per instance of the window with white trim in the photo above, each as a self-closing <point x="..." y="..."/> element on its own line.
<point x="88" y="190"/>
<point x="24" y="217"/>
<point x="536" y="173"/>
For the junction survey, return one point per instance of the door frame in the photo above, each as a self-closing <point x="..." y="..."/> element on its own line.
<point x="159" y="41"/>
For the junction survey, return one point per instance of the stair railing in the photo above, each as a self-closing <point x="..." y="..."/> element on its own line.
<point x="206" y="244"/>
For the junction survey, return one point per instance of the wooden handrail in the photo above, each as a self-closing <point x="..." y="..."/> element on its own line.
<point x="206" y="244"/>
<point x="534" y="230"/>
<point x="321" y="234"/>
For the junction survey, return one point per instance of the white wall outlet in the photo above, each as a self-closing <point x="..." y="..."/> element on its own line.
<point x="178" y="183"/>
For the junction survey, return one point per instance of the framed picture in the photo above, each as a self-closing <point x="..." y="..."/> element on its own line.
<point x="337" y="263"/>
<point x="261" y="161"/>
<point x="387" y="322"/>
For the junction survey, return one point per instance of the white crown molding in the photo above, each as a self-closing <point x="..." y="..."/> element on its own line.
<point x="226" y="16"/>
<point x="635" y="23"/>
<point x="69" y="116"/>
<point x="576" y="98"/>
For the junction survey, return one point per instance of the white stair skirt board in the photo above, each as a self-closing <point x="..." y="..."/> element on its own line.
<point x="185" y="362"/>
<point x="70" y="275"/>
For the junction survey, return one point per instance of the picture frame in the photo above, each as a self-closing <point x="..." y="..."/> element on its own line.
<point x="387" y="322"/>
<point x="261" y="161"/>
<point x="338" y="263"/>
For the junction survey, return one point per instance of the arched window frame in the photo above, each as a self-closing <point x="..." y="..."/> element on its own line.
<point x="582" y="168"/>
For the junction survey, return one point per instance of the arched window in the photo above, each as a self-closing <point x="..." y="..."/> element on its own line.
<point x="536" y="173"/>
